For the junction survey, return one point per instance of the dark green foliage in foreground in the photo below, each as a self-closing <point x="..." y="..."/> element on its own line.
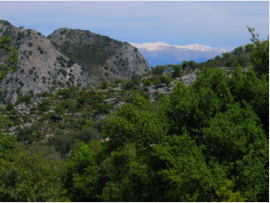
<point x="27" y="177"/>
<point x="207" y="142"/>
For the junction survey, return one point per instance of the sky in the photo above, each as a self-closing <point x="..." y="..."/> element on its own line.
<point x="218" y="24"/>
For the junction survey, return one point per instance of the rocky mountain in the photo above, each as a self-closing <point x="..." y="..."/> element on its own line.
<point x="66" y="58"/>
<point x="42" y="67"/>
<point x="161" y="53"/>
<point x="100" y="56"/>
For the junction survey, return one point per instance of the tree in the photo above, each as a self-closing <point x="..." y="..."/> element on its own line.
<point x="81" y="178"/>
<point x="259" y="54"/>
<point x="185" y="65"/>
<point x="192" y="65"/>
<point x="27" y="177"/>
<point x="136" y="79"/>
<point x="158" y="70"/>
<point x="226" y="55"/>
<point x="217" y="58"/>
<point x="177" y="70"/>
<point x="165" y="80"/>
<point x="147" y="83"/>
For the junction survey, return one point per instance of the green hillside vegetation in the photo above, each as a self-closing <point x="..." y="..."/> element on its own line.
<point x="86" y="48"/>
<point x="208" y="141"/>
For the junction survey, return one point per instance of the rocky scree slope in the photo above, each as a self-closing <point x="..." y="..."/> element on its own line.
<point x="102" y="57"/>
<point x="42" y="67"/>
<point x="28" y="115"/>
<point x="48" y="122"/>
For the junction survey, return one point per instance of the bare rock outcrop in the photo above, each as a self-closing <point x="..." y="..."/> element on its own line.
<point x="42" y="67"/>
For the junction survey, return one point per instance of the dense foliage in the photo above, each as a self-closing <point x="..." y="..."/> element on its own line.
<point x="205" y="142"/>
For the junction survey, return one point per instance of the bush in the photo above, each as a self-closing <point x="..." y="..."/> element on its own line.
<point x="30" y="72"/>
<point x="66" y="93"/>
<point x="25" y="134"/>
<point x="81" y="122"/>
<point x="104" y="85"/>
<point x="45" y="94"/>
<point x="68" y="83"/>
<point x="25" y="98"/>
<point x="129" y="85"/>
<point x="59" y="110"/>
<point x="136" y="79"/>
<point x="68" y="105"/>
<point x="70" y="63"/>
<point x="14" y="112"/>
<point x="165" y="80"/>
<point x="119" y="80"/>
<point x="21" y="83"/>
<point x="63" y="72"/>
<point x="147" y="82"/>
<point x="44" y="105"/>
<point x="62" y="64"/>
<point x="40" y="50"/>
<point x="61" y="84"/>
<point x="9" y="106"/>
<point x="87" y="134"/>
<point x="158" y="70"/>
<point x="61" y="142"/>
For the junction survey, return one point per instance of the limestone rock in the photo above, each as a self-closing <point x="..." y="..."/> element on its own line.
<point x="42" y="67"/>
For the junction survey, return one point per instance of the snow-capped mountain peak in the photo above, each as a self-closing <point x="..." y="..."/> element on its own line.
<point x="197" y="46"/>
<point x="160" y="53"/>
<point x="161" y="46"/>
<point x="151" y="46"/>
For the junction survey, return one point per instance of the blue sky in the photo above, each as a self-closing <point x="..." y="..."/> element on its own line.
<point x="215" y="24"/>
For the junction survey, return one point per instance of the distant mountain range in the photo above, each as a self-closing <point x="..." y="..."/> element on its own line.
<point x="161" y="53"/>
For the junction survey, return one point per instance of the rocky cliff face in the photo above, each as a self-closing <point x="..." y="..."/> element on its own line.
<point x="42" y="67"/>
<point x="102" y="57"/>
<point x="66" y="58"/>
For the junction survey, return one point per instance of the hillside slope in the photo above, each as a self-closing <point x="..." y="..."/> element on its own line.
<point x="102" y="57"/>
<point x="42" y="67"/>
